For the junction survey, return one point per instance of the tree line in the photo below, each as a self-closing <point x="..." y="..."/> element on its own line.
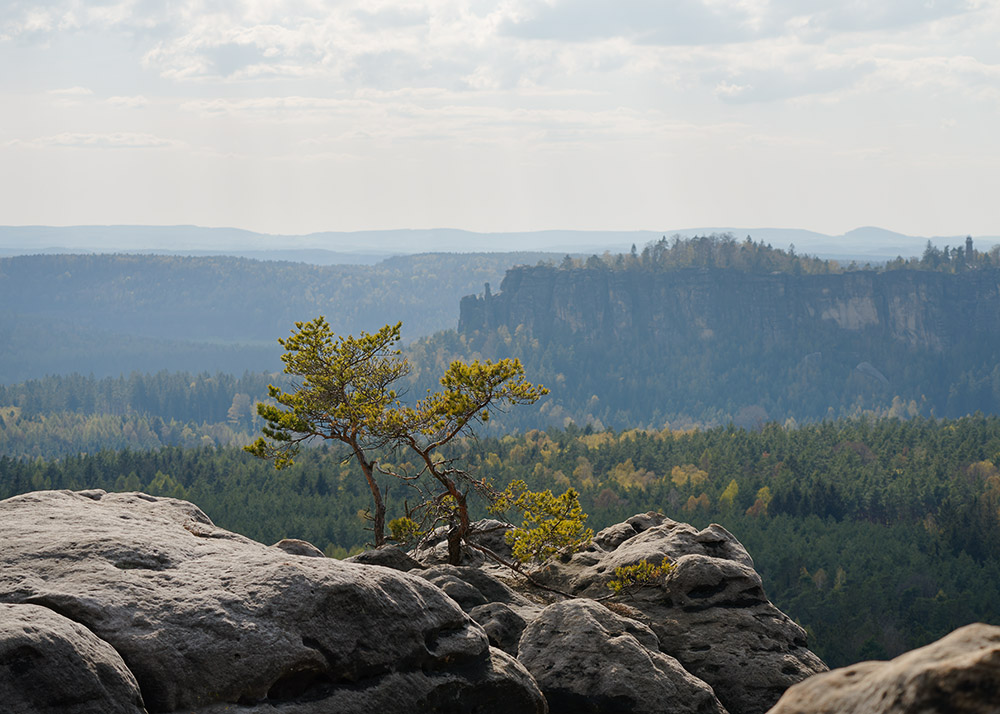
<point x="724" y="250"/>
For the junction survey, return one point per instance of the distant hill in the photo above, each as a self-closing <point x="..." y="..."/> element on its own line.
<point x="330" y="247"/>
<point x="112" y="314"/>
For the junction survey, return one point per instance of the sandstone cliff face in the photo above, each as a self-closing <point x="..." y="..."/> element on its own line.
<point x="926" y="310"/>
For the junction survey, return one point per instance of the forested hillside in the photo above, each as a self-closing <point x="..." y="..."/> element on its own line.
<point x="877" y="535"/>
<point x="63" y="415"/>
<point x="714" y="329"/>
<point x="115" y="314"/>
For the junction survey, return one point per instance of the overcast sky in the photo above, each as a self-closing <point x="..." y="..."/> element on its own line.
<point x="291" y="116"/>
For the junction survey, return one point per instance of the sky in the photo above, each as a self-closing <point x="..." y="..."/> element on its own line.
<point x="294" y="116"/>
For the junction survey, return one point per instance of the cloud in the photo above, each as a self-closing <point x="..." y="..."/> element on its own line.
<point x="136" y="102"/>
<point x="276" y="107"/>
<point x="839" y="16"/>
<point x="392" y="16"/>
<point x="71" y="92"/>
<point x="119" y="140"/>
<point x="679" y="22"/>
<point x="788" y="81"/>
<point x="709" y="22"/>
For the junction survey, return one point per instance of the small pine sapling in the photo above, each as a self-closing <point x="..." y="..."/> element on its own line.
<point x="552" y="524"/>
<point x="629" y="578"/>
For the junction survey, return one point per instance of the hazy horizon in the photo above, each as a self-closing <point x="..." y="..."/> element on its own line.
<point x="332" y="247"/>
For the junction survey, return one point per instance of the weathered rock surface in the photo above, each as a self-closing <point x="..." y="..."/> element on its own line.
<point x="502" y="625"/>
<point x="588" y="660"/>
<point x="207" y="620"/>
<point x="294" y="546"/>
<point x="388" y="557"/>
<point x="958" y="674"/>
<point x="51" y="665"/>
<point x="471" y="587"/>
<point x="488" y="532"/>
<point x="645" y="536"/>
<point x="710" y="613"/>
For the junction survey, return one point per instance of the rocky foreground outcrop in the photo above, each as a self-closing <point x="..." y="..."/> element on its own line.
<point x="127" y="603"/>
<point x="958" y="674"/>
<point x="115" y="602"/>
<point x="704" y="639"/>
<point x="710" y="612"/>
<point x="51" y="664"/>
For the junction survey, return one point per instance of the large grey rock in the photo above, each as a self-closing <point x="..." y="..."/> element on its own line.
<point x="471" y="587"/>
<point x="294" y="546"/>
<point x="502" y="625"/>
<point x="499" y="688"/>
<point x="588" y="660"/>
<point x="488" y="533"/>
<point x="646" y="536"/>
<point x="710" y="613"/>
<point x="207" y="620"/>
<point x="51" y="665"/>
<point x="491" y="534"/>
<point x="388" y="556"/>
<point x="958" y="674"/>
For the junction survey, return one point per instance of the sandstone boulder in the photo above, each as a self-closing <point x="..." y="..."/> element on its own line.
<point x="710" y="613"/>
<point x="52" y="665"/>
<point x="294" y="546"/>
<point x="388" y="556"/>
<point x="470" y="586"/>
<point x="502" y="624"/>
<point x="958" y="674"/>
<point x="489" y="533"/>
<point x="588" y="660"/>
<point x="206" y="620"/>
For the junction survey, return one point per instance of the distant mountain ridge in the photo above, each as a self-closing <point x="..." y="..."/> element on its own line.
<point x="332" y="247"/>
<point x="113" y="314"/>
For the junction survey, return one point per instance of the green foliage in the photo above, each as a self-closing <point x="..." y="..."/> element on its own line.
<point x="404" y="530"/>
<point x="720" y="251"/>
<point x="69" y="414"/>
<point x="470" y="391"/>
<point x="642" y="574"/>
<point x="729" y="495"/>
<point x="723" y="250"/>
<point x="344" y="391"/>
<point x="552" y="524"/>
